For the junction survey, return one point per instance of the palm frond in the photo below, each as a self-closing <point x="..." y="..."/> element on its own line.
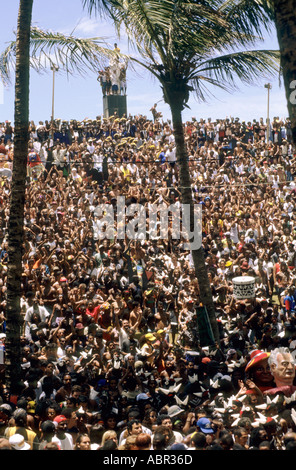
<point x="6" y="60"/>
<point x="246" y="66"/>
<point x="146" y="23"/>
<point x="101" y="7"/>
<point x="202" y="92"/>
<point x="71" y="54"/>
<point x="249" y="17"/>
<point x="191" y="42"/>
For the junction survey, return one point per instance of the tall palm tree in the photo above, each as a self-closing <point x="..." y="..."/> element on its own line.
<point x="188" y="45"/>
<point x="37" y="49"/>
<point x="17" y="198"/>
<point x="283" y="14"/>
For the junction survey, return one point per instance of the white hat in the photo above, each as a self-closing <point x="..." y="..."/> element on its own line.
<point x="174" y="410"/>
<point x="18" y="442"/>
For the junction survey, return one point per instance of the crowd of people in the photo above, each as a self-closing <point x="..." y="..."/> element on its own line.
<point x="111" y="353"/>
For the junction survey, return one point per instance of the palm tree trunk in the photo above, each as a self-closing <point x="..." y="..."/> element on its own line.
<point x="285" y="22"/>
<point x="186" y="191"/>
<point x="17" y="201"/>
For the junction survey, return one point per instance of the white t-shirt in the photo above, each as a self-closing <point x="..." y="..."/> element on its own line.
<point x="37" y="309"/>
<point x="66" y="443"/>
<point x="171" y="155"/>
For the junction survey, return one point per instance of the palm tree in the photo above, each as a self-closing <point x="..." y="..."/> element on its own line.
<point x="37" y="49"/>
<point x="18" y="188"/>
<point x="283" y="14"/>
<point x="188" y="46"/>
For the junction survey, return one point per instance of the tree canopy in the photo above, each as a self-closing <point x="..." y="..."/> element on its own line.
<point x="196" y="44"/>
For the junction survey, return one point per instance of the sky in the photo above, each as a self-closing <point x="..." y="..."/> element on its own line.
<point x="80" y="97"/>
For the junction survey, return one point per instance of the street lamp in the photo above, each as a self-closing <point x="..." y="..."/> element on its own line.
<point x="268" y="86"/>
<point x="54" y="69"/>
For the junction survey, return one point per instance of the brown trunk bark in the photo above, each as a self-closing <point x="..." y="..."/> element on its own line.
<point x="285" y="22"/>
<point x="17" y="201"/>
<point x="186" y="191"/>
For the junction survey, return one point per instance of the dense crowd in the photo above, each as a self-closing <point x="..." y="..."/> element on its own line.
<point x="111" y="353"/>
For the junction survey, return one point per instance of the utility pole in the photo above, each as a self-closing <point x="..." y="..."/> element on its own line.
<point x="268" y="86"/>
<point x="54" y="69"/>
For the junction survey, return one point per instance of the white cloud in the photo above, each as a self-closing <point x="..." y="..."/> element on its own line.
<point x="92" y="27"/>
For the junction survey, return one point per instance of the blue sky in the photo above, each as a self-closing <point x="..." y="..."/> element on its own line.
<point x="79" y="97"/>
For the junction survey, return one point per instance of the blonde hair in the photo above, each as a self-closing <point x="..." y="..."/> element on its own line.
<point x="107" y="436"/>
<point x="129" y="444"/>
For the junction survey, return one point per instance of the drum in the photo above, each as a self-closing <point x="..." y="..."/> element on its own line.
<point x="244" y="287"/>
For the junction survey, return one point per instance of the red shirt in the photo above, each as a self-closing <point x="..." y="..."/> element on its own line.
<point x="94" y="312"/>
<point x="33" y="159"/>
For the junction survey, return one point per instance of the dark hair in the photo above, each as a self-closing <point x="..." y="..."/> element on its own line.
<point x="288" y="438"/>
<point x="162" y="417"/>
<point x="237" y="446"/>
<point x="109" y="445"/>
<point x="268" y="445"/>
<point x="215" y="446"/>
<point x="130" y="423"/>
<point x="96" y="432"/>
<point x="159" y="441"/>
<point x="291" y="445"/>
<point x="72" y="400"/>
<point x="226" y="440"/>
<point x="67" y="412"/>
<point x="22" y="403"/>
<point x="134" y="413"/>
<point x="255" y="437"/>
<point x="238" y="431"/>
<point x="48" y="427"/>
<point x="20" y="417"/>
<point x="199" y="440"/>
<point x="51" y="446"/>
<point x="83" y="399"/>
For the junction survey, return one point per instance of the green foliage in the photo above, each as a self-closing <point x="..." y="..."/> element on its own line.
<point x="69" y="53"/>
<point x="193" y="45"/>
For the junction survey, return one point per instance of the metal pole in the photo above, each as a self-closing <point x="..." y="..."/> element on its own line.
<point x="268" y="86"/>
<point x="54" y="69"/>
<point x="52" y="104"/>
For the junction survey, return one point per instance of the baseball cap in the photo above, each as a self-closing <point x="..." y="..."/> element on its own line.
<point x="142" y="396"/>
<point x="174" y="410"/>
<point x="31" y="406"/>
<point x="17" y="442"/>
<point x="178" y="447"/>
<point x="150" y="337"/>
<point x="204" y="425"/>
<point x="6" y="408"/>
<point x="159" y="332"/>
<point x="60" y="419"/>
<point x="48" y="426"/>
